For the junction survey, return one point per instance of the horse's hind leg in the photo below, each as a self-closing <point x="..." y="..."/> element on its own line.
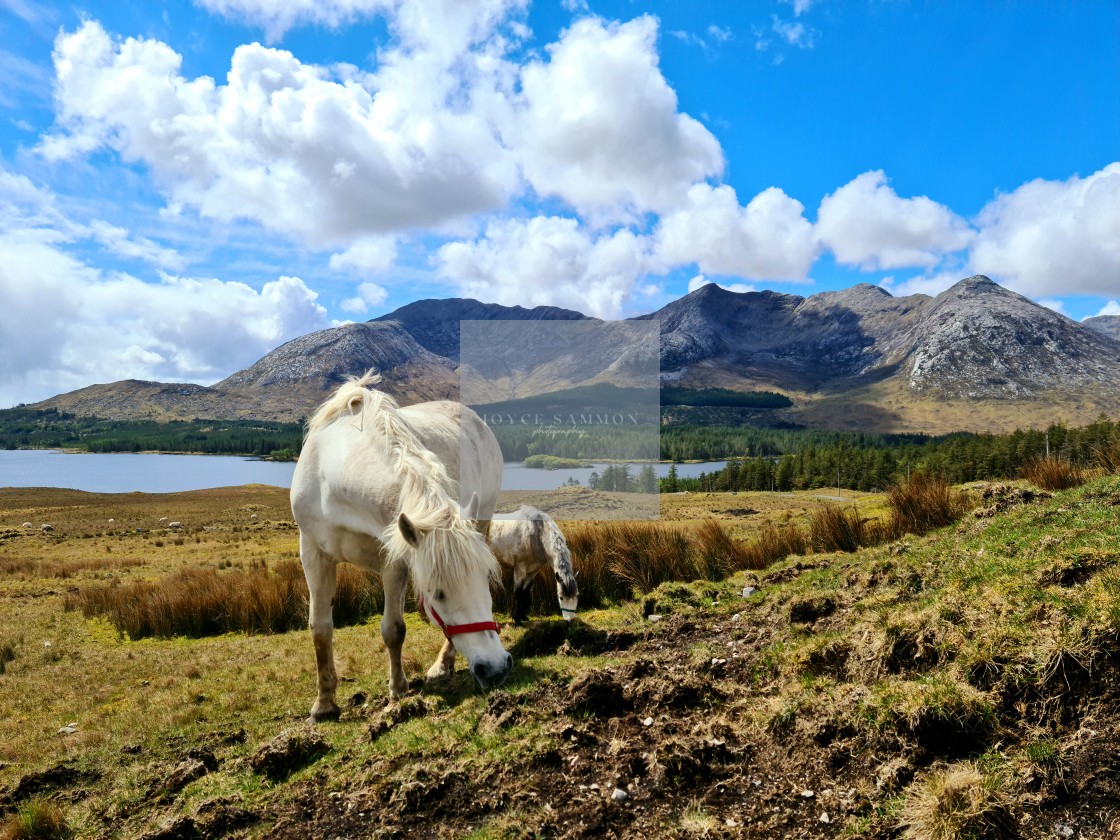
<point x="321" y="573"/>
<point x="394" y="580"/>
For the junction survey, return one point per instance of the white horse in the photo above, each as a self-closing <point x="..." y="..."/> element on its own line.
<point x="526" y="541"/>
<point x="376" y="485"/>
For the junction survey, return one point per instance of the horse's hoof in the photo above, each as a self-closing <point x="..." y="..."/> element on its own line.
<point x="324" y="715"/>
<point x="437" y="673"/>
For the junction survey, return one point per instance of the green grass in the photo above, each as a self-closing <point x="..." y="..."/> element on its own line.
<point x="925" y="640"/>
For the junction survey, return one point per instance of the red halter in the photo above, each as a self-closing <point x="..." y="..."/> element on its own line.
<point x="450" y="630"/>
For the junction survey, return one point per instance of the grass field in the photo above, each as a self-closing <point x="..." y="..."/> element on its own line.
<point x="849" y="694"/>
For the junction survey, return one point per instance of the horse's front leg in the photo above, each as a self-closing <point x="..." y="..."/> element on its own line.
<point x="445" y="663"/>
<point x="522" y="582"/>
<point x="321" y="574"/>
<point x="394" y="580"/>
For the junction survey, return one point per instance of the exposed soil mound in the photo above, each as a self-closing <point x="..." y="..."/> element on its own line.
<point x="291" y="750"/>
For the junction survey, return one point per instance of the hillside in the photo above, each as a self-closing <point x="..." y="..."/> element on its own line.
<point x="1107" y="324"/>
<point x="977" y="357"/>
<point x="973" y="671"/>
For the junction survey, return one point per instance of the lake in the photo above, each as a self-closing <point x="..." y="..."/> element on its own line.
<point x="149" y="473"/>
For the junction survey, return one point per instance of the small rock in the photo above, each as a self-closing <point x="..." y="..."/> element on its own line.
<point x="655" y="617"/>
<point x="807" y="794"/>
<point x="748" y="591"/>
<point x="619" y="795"/>
<point x="45" y="527"/>
<point x="730" y="823"/>
<point x="592" y="786"/>
<point x="46" y="644"/>
<point x="647" y="722"/>
<point x="68" y="729"/>
<point x="28" y="525"/>
<point x="825" y="818"/>
<point x="1063" y="830"/>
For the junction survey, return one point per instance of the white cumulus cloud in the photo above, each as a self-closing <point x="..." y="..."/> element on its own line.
<point x="599" y="126"/>
<point x="66" y="324"/>
<point x="546" y="260"/>
<point x="867" y="224"/>
<point x="369" y="254"/>
<point x="369" y="295"/>
<point x="1110" y="308"/>
<point x="282" y="142"/>
<point x="1054" y="237"/>
<point x="769" y="239"/>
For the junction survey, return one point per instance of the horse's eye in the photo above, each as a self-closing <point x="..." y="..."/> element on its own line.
<point x="439" y="595"/>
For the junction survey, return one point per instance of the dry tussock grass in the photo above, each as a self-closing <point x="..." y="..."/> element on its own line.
<point x="1053" y="474"/>
<point x="922" y="504"/>
<point x="835" y="528"/>
<point x="36" y="820"/>
<point x="613" y="560"/>
<point x="956" y="803"/>
<point x="41" y="567"/>
<point x="197" y="602"/>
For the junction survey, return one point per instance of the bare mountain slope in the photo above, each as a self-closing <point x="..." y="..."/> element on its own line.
<point x="1107" y="324"/>
<point x="435" y="323"/>
<point x="977" y="357"/>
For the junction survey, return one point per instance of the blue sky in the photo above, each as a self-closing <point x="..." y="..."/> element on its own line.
<point x="186" y="185"/>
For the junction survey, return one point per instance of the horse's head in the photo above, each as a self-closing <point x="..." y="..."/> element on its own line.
<point x="452" y="568"/>
<point x="567" y="590"/>
<point x="567" y="593"/>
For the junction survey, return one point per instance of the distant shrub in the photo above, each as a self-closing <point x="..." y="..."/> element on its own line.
<point x="922" y="504"/>
<point x="7" y="654"/>
<point x="833" y="528"/>
<point x="209" y="602"/>
<point x="1053" y="474"/>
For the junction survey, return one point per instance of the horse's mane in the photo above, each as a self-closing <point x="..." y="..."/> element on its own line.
<point x="451" y="549"/>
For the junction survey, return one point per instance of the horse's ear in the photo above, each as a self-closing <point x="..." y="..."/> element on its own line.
<point x="471" y="512"/>
<point x="408" y="530"/>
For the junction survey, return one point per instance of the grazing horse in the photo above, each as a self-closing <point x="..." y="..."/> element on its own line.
<point x="376" y="485"/>
<point x="527" y="540"/>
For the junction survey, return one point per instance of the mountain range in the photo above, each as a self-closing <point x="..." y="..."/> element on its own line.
<point x="975" y="357"/>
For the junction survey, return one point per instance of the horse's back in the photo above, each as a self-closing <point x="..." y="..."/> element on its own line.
<point x="465" y="444"/>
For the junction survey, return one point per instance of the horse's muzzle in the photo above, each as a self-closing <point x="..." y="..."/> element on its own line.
<point x="488" y="675"/>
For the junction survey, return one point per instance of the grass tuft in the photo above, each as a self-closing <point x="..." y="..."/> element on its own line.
<point x="772" y="544"/>
<point x="833" y="528"/>
<point x="37" y="820"/>
<point x="923" y="503"/>
<point x="197" y="602"/>
<point x="957" y="803"/>
<point x="1053" y="474"/>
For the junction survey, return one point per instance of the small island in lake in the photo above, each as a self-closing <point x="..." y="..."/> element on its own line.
<point x="552" y="462"/>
